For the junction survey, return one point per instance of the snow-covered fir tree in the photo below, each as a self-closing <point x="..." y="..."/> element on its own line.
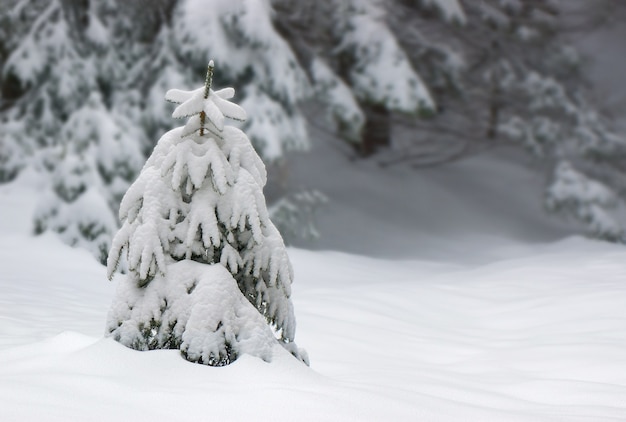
<point x="361" y="73"/>
<point x="377" y="65"/>
<point x="58" y="120"/>
<point x="44" y="78"/>
<point x="573" y="193"/>
<point x="90" y="170"/>
<point x="208" y="272"/>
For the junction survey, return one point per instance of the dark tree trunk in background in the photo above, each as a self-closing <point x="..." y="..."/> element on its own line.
<point x="495" y="104"/>
<point x="376" y="131"/>
<point x="77" y="14"/>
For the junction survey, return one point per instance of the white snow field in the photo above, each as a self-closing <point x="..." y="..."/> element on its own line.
<point x="485" y="318"/>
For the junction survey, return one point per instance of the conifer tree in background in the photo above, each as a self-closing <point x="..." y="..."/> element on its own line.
<point x="90" y="170"/>
<point x="44" y="78"/>
<point x="58" y="122"/>
<point x="369" y="57"/>
<point x="208" y="271"/>
<point x="362" y="75"/>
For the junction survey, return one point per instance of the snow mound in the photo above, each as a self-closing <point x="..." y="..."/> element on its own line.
<point x="197" y="308"/>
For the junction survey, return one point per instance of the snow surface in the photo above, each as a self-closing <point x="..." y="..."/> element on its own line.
<point x="476" y="210"/>
<point x="535" y="332"/>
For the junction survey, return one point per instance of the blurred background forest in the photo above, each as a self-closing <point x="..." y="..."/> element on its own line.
<point x="392" y="88"/>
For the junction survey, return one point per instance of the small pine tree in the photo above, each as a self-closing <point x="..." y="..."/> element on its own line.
<point x="208" y="272"/>
<point x="573" y="193"/>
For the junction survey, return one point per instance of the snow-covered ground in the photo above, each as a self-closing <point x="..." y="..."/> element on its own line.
<point x="456" y="212"/>
<point x="488" y="314"/>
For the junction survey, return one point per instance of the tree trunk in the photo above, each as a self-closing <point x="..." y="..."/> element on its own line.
<point x="77" y="15"/>
<point x="376" y="131"/>
<point x="494" y="119"/>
